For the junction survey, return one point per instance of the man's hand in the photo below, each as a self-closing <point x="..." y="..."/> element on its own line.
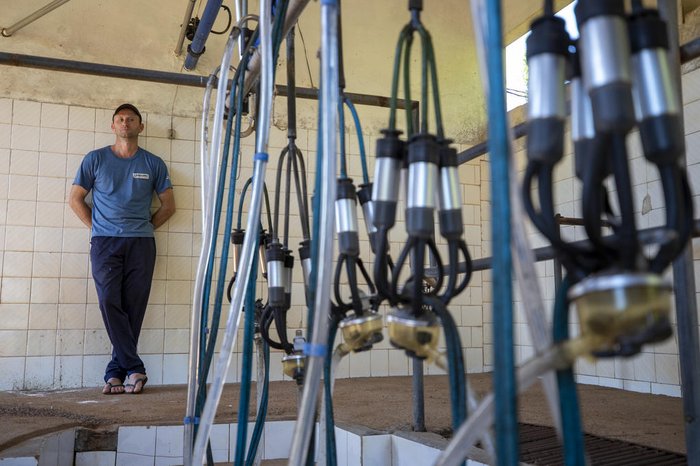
<point x="76" y="201"/>
<point x="166" y="209"/>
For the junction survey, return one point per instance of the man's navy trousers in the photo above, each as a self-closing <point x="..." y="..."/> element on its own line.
<point x="123" y="270"/>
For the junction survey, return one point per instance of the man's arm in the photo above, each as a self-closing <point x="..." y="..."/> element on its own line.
<point x="76" y="201"/>
<point x="166" y="209"/>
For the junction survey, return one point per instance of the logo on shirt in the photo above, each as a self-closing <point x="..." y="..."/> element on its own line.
<point x="142" y="176"/>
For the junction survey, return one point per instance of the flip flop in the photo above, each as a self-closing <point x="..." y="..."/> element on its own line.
<point x="135" y="383"/>
<point x="111" y="387"/>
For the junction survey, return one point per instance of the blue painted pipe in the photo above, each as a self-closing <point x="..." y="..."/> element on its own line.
<point x="503" y="352"/>
<point x="196" y="48"/>
<point x="572" y="434"/>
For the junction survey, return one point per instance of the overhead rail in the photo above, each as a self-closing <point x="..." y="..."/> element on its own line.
<point x="166" y="77"/>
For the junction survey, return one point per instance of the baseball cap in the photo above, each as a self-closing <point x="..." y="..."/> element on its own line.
<point x="128" y="107"/>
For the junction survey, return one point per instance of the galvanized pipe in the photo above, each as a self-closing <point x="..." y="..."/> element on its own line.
<point x="183" y="27"/>
<point x="293" y="12"/>
<point x="315" y="351"/>
<point x="684" y="282"/>
<point x="8" y="31"/>
<point x="249" y="243"/>
<point x="196" y="317"/>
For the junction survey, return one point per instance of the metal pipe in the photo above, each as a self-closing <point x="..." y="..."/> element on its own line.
<point x="689" y="50"/>
<point x="324" y="268"/>
<point x="165" y="77"/>
<point x="211" y="159"/>
<point x="249" y="243"/>
<point x="196" y="48"/>
<point x="418" y="396"/>
<point x="100" y="69"/>
<point x="359" y="99"/>
<point x="8" y="31"/>
<point x="196" y="317"/>
<point x="684" y="280"/>
<point x="183" y="27"/>
<point x="293" y="12"/>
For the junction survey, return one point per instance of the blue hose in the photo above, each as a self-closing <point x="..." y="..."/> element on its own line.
<point x="331" y="449"/>
<point x="196" y="48"/>
<point x="504" y="361"/>
<point x="262" y="409"/>
<point x="574" y="450"/>
<point x="249" y="332"/>
<point x="316" y="224"/>
<point x="360" y="140"/>
<point x="341" y="139"/>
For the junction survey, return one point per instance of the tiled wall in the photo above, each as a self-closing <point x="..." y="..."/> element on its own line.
<point x="656" y="369"/>
<point x="51" y="333"/>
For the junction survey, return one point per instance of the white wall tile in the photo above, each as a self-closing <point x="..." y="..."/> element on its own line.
<point x="24" y="162"/>
<point x="48" y="239"/>
<point x="53" y="140"/>
<point x="12" y="369"/>
<point x="376" y="450"/>
<point x="54" y="116"/>
<point x="21" y="213"/>
<point x="12" y="343"/>
<point x="25" y="137"/>
<point x="407" y="453"/>
<point x="17" y="264"/>
<point x="220" y="440"/>
<point x="137" y="439"/>
<point x="22" y="187"/>
<point x="4" y="158"/>
<point x="667" y="390"/>
<point x="81" y="118"/>
<point x="169" y="441"/>
<point x="279" y="435"/>
<point x="14" y="316"/>
<point x="44" y="290"/>
<point x="41" y="343"/>
<point x="80" y="142"/>
<point x="15" y="290"/>
<point x="6" y="110"/>
<point x="132" y="459"/>
<point x="26" y="113"/>
<point x="5" y="136"/>
<point x="95" y="458"/>
<point x="174" y="368"/>
<point x="39" y="372"/>
<point x="68" y="372"/>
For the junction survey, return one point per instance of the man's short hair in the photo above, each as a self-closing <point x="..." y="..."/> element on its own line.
<point x="128" y="107"/>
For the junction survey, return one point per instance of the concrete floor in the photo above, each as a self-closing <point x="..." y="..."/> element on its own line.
<point x="382" y="403"/>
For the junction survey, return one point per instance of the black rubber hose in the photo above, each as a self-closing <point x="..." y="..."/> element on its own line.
<point x="352" y="282"/>
<point x="675" y="206"/>
<point x="628" y="243"/>
<point x="592" y="200"/>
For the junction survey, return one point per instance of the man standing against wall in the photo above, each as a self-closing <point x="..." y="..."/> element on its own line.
<point x="123" y="178"/>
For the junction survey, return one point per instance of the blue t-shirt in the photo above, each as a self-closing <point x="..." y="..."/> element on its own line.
<point x="122" y="190"/>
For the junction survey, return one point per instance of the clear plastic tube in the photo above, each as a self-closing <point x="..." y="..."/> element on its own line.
<point x="196" y="318"/>
<point x="248" y="250"/>
<point x="324" y="271"/>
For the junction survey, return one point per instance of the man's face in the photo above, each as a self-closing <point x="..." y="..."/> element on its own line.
<point x="126" y="124"/>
